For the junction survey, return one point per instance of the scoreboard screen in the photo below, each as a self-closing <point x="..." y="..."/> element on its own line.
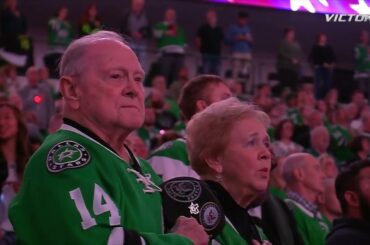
<point x="312" y="6"/>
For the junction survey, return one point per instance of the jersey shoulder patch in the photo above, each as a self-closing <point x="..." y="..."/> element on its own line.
<point x="67" y="155"/>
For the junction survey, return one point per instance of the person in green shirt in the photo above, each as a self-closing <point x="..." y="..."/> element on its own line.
<point x="83" y="185"/>
<point x="171" y="159"/>
<point x="304" y="179"/>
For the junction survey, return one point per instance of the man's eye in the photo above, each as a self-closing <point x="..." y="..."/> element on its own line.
<point x="116" y="76"/>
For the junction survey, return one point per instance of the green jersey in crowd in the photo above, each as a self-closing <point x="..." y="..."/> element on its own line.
<point x="312" y="227"/>
<point x="171" y="160"/>
<point x="77" y="190"/>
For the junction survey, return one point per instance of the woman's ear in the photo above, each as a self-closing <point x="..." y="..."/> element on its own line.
<point x="214" y="164"/>
<point x="70" y="91"/>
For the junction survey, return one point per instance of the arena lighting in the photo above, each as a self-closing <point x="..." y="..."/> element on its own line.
<point x="312" y="6"/>
<point x="37" y="99"/>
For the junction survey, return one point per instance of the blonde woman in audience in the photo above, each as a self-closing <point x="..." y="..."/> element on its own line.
<point x="15" y="149"/>
<point x="228" y="147"/>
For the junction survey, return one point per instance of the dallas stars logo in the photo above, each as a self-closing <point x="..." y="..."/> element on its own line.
<point x="65" y="155"/>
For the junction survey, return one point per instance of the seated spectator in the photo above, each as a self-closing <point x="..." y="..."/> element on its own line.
<point x="328" y="202"/>
<point x="304" y="179"/>
<point x="171" y="159"/>
<point x="263" y="97"/>
<point x="137" y="145"/>
<point x="148" y="131"/>
<point x="328" y="165"/>
<point x="15" y="149"/>
<point x="277" y="113"/>
<point x="360" y="147"/>
<point x="311" y="119"/>
<point x="37" y="99"/>
<point x="236" y="166"/>
<point x="176" y="87"/>
<point x="320" y="141"/>
<point x="340" y="136"/>
<point x="277" y="181"/>
<point x="284" y="146"/>
<point x="352" y="188"/>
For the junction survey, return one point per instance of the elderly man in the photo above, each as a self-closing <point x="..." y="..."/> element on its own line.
<point x="304" y="179"/>
<point x="83" y="186"/>
<point x="352" y="187"/>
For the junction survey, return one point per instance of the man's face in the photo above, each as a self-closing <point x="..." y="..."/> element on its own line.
<point x="111" y="93"/>
<point x="313" y="175"/>
<point x="218" y="92"/>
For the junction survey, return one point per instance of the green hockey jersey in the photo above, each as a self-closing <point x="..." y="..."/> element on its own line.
<point x="76" y="190"/>
<point x="312" y="229"/>
<point x="171" y="160"/>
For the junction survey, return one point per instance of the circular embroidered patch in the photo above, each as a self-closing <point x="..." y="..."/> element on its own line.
<point x="183" y="190"/>
<point x="66" y="155"/>
<point x="210" y="216"/>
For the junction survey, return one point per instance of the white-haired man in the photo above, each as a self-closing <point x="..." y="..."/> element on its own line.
<point x="304" y="179"/>
<point x="83" y="186"/>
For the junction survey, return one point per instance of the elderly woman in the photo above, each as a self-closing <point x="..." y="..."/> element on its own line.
<point x="229" y="148"/>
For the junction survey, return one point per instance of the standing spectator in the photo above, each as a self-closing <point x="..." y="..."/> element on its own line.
<point x="13" y="33"/>
<point x="304" y="179"/>
<point x="352" y="187"/>
<point x="37" y="99"/>
<point x="289" y="59"/>
<point x="90" y="21"/>
<point x="15" y="149"/>
<point x="136" y="26"/>
<point x="322" y="56"/>
<point x="60" y="34"/>
<point x="209" y="41"/>
<point x="362" y="63"/>
<point x="171" y="42"/>
<point x="239" y="36"/>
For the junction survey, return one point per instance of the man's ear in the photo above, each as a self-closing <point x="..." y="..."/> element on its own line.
<point x="352" y="199"/>
<point x="70" y="91"/>
<point x="201" y="105"/>
<point x="214" y="164"/>
<point x="298" y="174"/>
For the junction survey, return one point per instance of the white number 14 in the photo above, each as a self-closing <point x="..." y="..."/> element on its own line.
<point x="102" y="203"/>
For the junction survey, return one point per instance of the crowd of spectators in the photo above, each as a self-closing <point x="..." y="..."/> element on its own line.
<point x="314" y="136"/>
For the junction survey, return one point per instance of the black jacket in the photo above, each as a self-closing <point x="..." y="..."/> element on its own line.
<point x="349" y="232"/>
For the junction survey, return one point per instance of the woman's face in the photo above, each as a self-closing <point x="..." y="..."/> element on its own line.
<point x="287" y="130"/>
<point x="246" y="160"/>
<point x="8" y="123"/>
